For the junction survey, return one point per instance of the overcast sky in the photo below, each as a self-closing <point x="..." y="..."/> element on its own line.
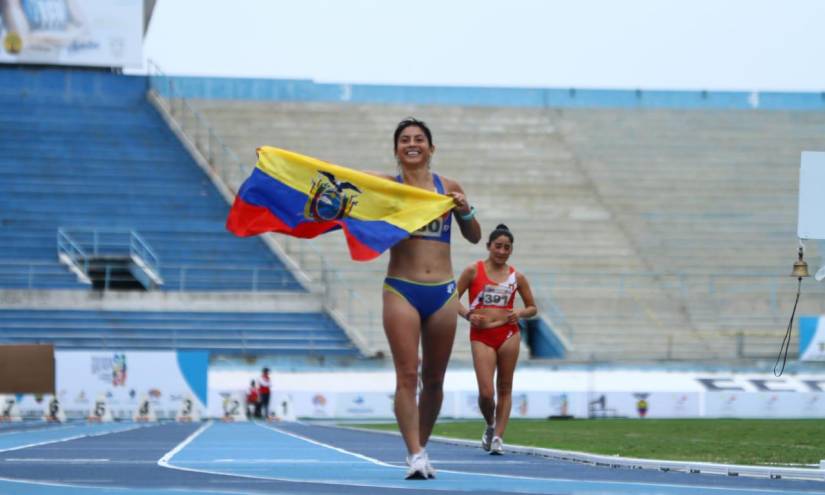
<point x="647" y="44"/>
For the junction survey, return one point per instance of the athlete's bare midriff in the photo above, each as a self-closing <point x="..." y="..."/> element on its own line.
<point x="421" y="260"/>
<point x="493" y="317"/>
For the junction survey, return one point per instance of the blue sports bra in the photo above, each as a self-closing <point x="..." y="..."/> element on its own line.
<point x="438" y="229"/>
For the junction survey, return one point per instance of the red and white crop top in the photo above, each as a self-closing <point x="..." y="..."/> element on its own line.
<point x="486" y="293"/>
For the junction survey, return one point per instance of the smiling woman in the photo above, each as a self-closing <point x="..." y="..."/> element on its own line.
<point x="419" y="296"/>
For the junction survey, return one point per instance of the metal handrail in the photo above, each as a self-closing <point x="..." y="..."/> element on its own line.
<point x="71" y="253"/>
<point x="99" y="242"/>
<point x="141" y="249"/>
<point x="178" y="106"/>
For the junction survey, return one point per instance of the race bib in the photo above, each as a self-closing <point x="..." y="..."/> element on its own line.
<point x="496" y="295"/>
<point x="432" y="229"/>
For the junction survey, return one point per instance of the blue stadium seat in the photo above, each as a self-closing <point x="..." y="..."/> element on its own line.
<point x="248" y="333"/>
<point x="85" y="150"/>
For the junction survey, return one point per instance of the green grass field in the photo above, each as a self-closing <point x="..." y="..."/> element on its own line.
<point x="729" y="441"/>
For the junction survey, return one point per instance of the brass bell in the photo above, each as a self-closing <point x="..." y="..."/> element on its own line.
<point x="800" y="268"/>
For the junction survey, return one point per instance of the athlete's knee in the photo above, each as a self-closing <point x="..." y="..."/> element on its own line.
<point x="505" y="389"/>
<point x="486" y="394"/>
<point x="433" y="384"/>
<point x="406" y="380"/>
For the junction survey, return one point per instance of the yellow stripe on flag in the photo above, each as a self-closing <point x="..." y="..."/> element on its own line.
<point x="406" y="207"/>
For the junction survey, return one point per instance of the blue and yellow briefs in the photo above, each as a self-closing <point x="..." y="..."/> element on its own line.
<point x="426" y="298"/>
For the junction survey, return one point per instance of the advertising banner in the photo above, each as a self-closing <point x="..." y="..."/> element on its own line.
<point x="544" y="393"/>
<point x="123" y="379"/>
<point x="765" y="404"/>
<point x="644" y="404"/>
<point x="101" y="33"/>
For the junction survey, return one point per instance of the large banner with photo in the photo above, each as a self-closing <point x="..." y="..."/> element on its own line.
<point x="123" y="379"/>
<point x="102" y="33"/>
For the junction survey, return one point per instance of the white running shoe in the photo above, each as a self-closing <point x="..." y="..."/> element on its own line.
<point x="418" y="466"/>
<point x="487" y="438"/>
<point x="430" y="468"/>
<point x="496" y="446"/>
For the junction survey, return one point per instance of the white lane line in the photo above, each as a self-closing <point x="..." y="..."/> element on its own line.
<point x="164" y="461"/>
<point x="67" y="439"/>
<point x="587" y="485"/>
<point x="107" y="489"/>
<point x="473" y="443"/>
<point x="273" y="461"/>
<point x="302" y="481"/>
<point x="36" y="459"/>
<point x="328" y="446"/>
<point x="37" y="429"/>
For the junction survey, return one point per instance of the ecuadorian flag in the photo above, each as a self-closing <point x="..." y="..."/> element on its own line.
<point x="305" y="197"/>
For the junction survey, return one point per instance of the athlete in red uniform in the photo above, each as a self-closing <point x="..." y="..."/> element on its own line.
<point x="494" y="331"/>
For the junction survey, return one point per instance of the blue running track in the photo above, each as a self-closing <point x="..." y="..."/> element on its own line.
<point x="297" y="458"/>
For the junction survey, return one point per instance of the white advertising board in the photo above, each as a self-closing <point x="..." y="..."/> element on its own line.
<point x="122" y="378"/>
<point x="542" y="393"/>
<point x="101" y="33"/>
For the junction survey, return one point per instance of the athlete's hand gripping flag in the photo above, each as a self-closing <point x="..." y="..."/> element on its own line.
<point x="305" y="197"/>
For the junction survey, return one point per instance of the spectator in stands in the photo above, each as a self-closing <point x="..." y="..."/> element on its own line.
<point x="44" y="26"/>
<point x="494" y="330"/>
<point x="264" y="386"/>
<point x="253" y="402"/>
<point x="419" y="296"/>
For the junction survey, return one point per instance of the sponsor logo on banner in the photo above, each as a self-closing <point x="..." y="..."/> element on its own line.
<point x="735" y="383"/>
<point x="319" y="405"/>
<point x="641" y="404"/>
<point x="560" y="404"/>
<point x="358" y="406"/>
<point x="119" y="370"/>
<point x="680" y="404"/>
<point x="109" y="369"/>
<point x="522" y="404"/>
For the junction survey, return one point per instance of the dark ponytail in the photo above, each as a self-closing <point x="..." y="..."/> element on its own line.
<point x="499" y="231"/>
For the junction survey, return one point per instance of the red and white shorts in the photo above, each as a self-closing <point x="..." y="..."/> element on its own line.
<point x="494" y="337"/>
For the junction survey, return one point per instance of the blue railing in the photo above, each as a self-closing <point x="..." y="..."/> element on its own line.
<point x="70" y="253"/>
<point x="143" y="255"/>
<point x="77" y="247"/>
<point x="188" y="277"/>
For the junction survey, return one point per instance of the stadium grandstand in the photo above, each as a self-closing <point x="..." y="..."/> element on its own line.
<point x="653" y="229"/>
<point x="113" y="236"/>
